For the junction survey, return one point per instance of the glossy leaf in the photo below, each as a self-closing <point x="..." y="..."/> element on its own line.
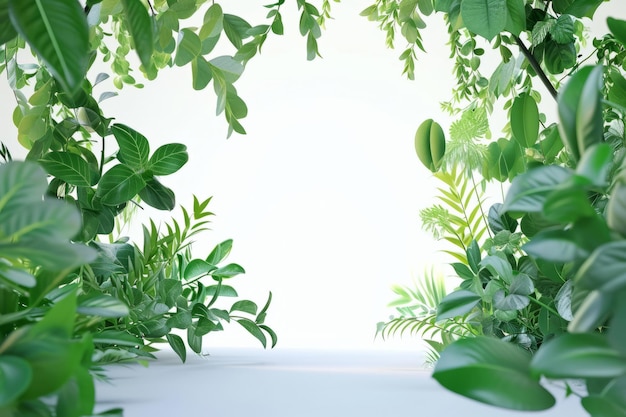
<point x="140" y="27"/>
<point x="213" y="22"/>
<point x="559" y="246"/>
<point x="486" y="18"/>
<point x="499" y="221"/>
<point x="119" y="185"/>
<point x="456" y="304"/>
<point x="559" y="57"/>
<point x="57" y="31"/>
<point x="599" y="406"/>
<point x="168" y="159"/>
<point x="227" y="271"/>
<point x="197" y="268"/>
<point x="178" y="346"/>
<point x="592" y="312"/>
<point x="102" y="305"/>
<point x="70" y="168"/>
<point x="220" y="252"/>
<point x="525" y="120"/>
<point x="493" y="372"/>
<point x="253" y="329"/>
<point x="605" y="269"/>
<point x="618" y="28"/>
<point x="245" y="306"/>
<point x="17" y="276"/>
<point x="236" y="29"/>
<point x="77" y="396"/>
<point x="134" y="147"/>
<point x="230" y="69"/>
<point x="15" y="376"/>
<point x="157" y="195"/>
<point x="567" y="205"/>
<point x="596" y="163"/>
<point x="528" y="191"/>
<point x="49" y="252"/>
<point x="578" y="355"/>
<point x="583" y="8"/>
<point x="188" y="48"/>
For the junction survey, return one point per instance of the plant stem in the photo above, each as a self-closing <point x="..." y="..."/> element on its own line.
<point x="550" y="309"/>
<point x="533" y="63"/>
<point x="480" y="205"/>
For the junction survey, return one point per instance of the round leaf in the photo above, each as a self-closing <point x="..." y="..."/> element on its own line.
<point x="15" y="376"/>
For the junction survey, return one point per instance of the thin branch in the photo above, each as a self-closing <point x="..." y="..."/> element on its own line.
<point x="533" y="63"/>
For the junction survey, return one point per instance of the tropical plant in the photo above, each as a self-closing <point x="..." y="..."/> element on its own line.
<point x="547" y="285"/>
<point x="75" y="295"/>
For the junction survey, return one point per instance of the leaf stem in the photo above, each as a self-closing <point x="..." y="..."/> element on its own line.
<point x="550" y="309"/>
<point x="533" y="63"/>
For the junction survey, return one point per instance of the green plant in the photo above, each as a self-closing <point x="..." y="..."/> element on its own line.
<point x="67" y="284"/>
<point x="546" y="285"/>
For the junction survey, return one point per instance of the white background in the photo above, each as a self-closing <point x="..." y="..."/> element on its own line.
<point x="322" y="196"/>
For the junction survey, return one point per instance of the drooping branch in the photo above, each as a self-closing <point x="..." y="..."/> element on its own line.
<point x="533" y="63"/>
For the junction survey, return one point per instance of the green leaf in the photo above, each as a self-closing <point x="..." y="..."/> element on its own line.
<point x="525" y="120"/>
<point x="17" y="276"/>
<point x="77" y="396"/>
<point x="189" y="47"/>
<point x="119" y="185"/>
<point x="7" y="31"/>
<point x="70" y="168"/>
<point x="563" y="29"/>
<point x="498" y="267"/>
<point x="245" y="306"/>
<point x="57" y="31"/>
<point x="213" y="22"/>
<point x="605" y="269"/>
<point x="168" y="159"/>
<point x="493" y="372"/>
<point x="49" y="252"/>
<point x="599" y="406"/>
<point x="15" y="377"/>
<point x="201" y="73"/>
<point x="499" y="221"/>
<point x="236" y="29"/>
<point x="134" y="147"/>
<point x="511" y="302"/>
<point x="253" y="329"/>
<point x="102" y="305"/>
<point x="583" y="8"/>
<point x="227" y="271"/>
<point x="559" y="246"/>
<point x="516" y="16"/>
<point x="116" y="337"/>
<point x="224" y="291"/>
<point x="157" y="195"/>
<point x="559" y="57"/>
<point x="521" y="284"/>
<point x="592" y="312"/>
<point x="196" y="268"/>
<point x="220" y="252"/>
<point x="567" y="205"/>
<point x="230" y="69"/>
<point x="617" y="28"/>
<point x="140" y="27"/>
<point x="528" y="191"/>
<point x="596" y="163"/>
<point x="486" y="18"/>
<point x="578" y="355"/>
<point x="456" y="304"/>
<point x="178" y="346"/>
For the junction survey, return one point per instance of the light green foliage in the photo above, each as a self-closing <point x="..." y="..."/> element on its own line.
<point x="548" y="277"/>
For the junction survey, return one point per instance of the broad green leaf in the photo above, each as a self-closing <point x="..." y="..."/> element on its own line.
<point x="15" y="376"/>
<point x="197" y="268"/>
<point x="405" y="9"/>
<point x="178" y="346"/>
<point x="617" y="28"/>
<point x="578" y="355"/>
<point x="528" y="191"/>
<point x="525" y="120"/>
<point x="201" y="73"/>
<point x="569" y="101"/>
<point x="220" y="252"/>
<point x="116" y="337"/>
<point x="134" y="147"/>
<point x="567" y="205"/>
<point x="563" y="301"/>
<point x="616" y="334"/>
<point x="596" y="163"/>
<point x="17" y="276"/>
<point x="456" y="304"/>
<point x="54" y="219"/>
<point x="77" y="396"/>
<point x="180" y="320"/>
<point x="559" y="246"/>
<point x="473" y="256"/>
<point x="271" y="332"/>
<point x="589" y="120"/>
<point x="70" y="168"/>
<point x="236" y="29"/>
<point x="188" y="47"/>
<point x="157" y="195"/>
<point x="140" y="27"/>
<point x="486" y="18"/>
<point x="227" y="271"/>
<point x="194" y="341"/>
<point x="592" y="312"/>
<point x="244" y="305"/>
<point x="617" y="92"/>
<point x="498" y="266"/>
<point x="119" y="185"/>
<point x="213" y="22"/>
<point x="7" y="31"/>
<point x="206" y="326"/>
<point x="559" y="57"/>
<point x="516" y="16"/>
<point x="57" y="31"/>
<point x="230" y="69"/>
<point x="253" y="329"/>
<point x="493" y="372"/>
<point x="511" y="302"/>
<point x="168" y="159"/>
<point x="102" y="305"/>
<point x="605" y="269"/>
<point x="49" y="252"/>
<point x="563" y="29"/>
<point x="600" y="406"/>
<point x="521" y="284"/>
<point x="583" y="8"/>
<point x="225" y="291"/>
<point x="499" y="221"/>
